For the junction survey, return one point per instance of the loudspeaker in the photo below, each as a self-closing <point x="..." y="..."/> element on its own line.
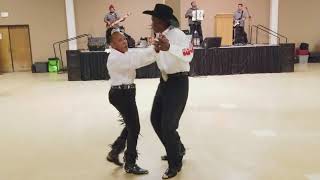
<point x="73" y="64"/>
<point x="97" y="44"/>
<point x="211" y="42"/>
<point x="287" y="56"/>
<point x="73" y="59"/>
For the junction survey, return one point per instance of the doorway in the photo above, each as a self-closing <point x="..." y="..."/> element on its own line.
<point x="15" y="49"/>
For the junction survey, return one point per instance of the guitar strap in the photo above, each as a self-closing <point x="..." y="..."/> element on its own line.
<point x="116" y="15"/>
<point x="241" y="15"/>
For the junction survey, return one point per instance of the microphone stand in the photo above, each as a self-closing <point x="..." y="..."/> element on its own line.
<point x="250" y="19"/>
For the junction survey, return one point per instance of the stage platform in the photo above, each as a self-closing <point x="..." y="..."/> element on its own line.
<point x="229" y="60"/>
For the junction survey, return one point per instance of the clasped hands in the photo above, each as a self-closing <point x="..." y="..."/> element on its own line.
<point x="161" y="43"/>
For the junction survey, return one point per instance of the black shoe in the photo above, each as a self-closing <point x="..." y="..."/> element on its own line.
<point x="179" y="167"/>
<point x="182" y="153"/>
<point x="170" y="173"/>
<point x="135" y="169"/>
<point x="114" y="158"/>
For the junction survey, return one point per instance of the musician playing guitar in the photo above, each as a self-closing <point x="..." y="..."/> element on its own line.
<point x="239" y="18"/>
<point x="112" y="19"/>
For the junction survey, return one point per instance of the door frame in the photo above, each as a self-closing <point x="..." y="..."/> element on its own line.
<point x="5" y="26"/>
<point x="19" y="25"/>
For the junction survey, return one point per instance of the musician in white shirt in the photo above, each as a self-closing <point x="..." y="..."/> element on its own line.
<point x="173" y="60"/>
<point x="122" y="64"/>
<point x="194" y="25"/>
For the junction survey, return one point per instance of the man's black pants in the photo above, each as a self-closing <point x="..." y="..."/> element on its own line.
<point x="168" y="106"/>
<point x="198" y="28"/>
<point x="124" y="101"/>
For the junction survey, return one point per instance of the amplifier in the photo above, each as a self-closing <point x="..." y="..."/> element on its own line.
<point x="97" y="43"/>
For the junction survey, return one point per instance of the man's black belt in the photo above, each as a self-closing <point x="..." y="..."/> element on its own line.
<point x="124" y="86"/>
<point x="178" y="74"/>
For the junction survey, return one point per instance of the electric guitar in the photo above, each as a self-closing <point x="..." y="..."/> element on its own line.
<point x="117" y="21"/>
<point x="236" y="23"/>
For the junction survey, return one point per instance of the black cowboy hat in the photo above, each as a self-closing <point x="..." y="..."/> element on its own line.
<point x="163" y="12"/>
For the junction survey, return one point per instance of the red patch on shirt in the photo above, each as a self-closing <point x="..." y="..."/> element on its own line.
<point x="188" y="51"/>
<point x="184" y="52"/>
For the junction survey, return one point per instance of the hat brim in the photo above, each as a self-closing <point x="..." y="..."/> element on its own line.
<point x="148" y="12"/>
<point x="171" y="18"/>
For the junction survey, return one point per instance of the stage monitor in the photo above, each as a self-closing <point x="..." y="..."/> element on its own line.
<point x="212" y="42"/>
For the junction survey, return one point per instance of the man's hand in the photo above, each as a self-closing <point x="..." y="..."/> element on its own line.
<point x="152" y="41"/>
<point x="162" y="44"/>
<point x="156" y="49"/>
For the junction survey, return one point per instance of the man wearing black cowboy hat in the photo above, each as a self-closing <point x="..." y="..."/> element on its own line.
<point x="175" y="54"/>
